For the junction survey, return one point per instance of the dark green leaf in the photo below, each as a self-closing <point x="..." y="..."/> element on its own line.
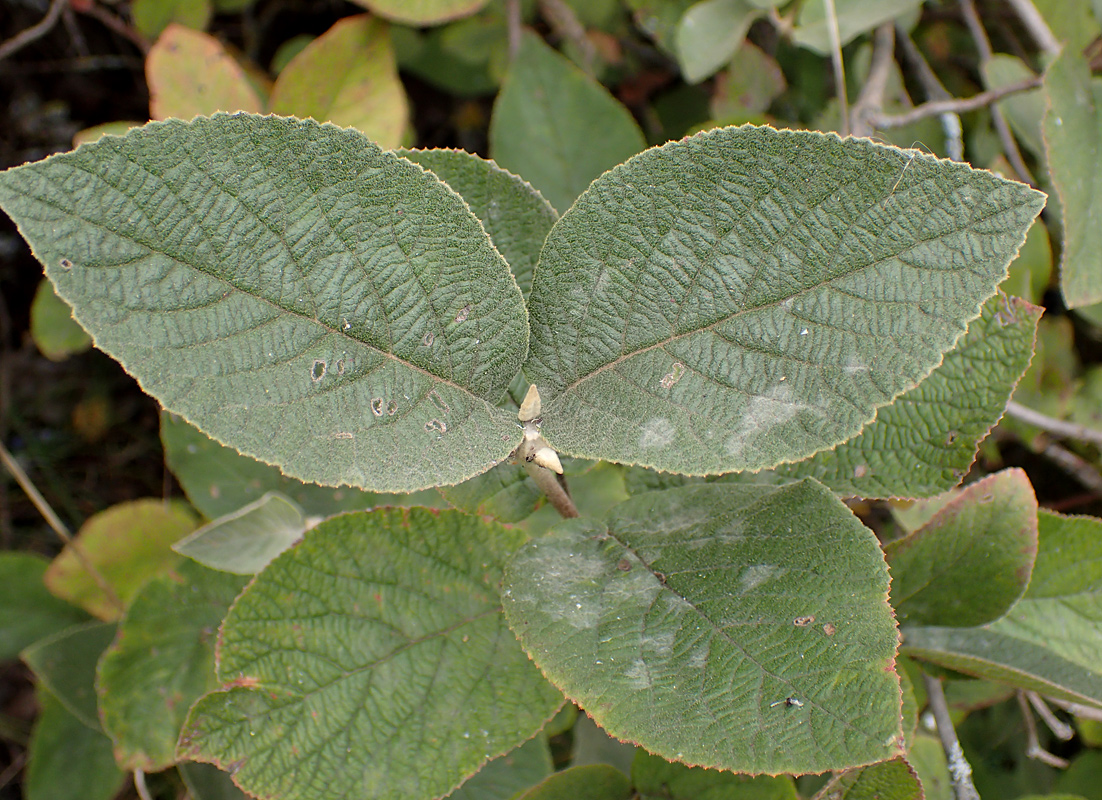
<point x="509" y="774"/>
<point x="655" y="776"/>
<point x="27" y="611"/>
<point x="591" y="782"/>
<point x="65" y="663"/>
<point x="888" y="780"/>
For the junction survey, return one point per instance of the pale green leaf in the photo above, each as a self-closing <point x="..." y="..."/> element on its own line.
<point x="556" y="127"/>
<point x="1031" y="272"/>
<point x="291" y="289"/>
<point x="749" y="85"/>
<point x="925" y="441"/>
<point x="1051" y="640"/>
<point x="421" y="12"/>
<point x="246" y="540"/>
<point x="56" y="334"/>
<point x="190" y="72"/>
<point x="161" y="662"/>
<point x="371" y="660"/>
<point x="67" y="760"/>
<point x="736" y="627"/>
<point x="153" y="16"/>
<point x="509" y="774"/>
<point x="747" y="296"/>
<point x="710" y="33"/>
<point x="971" y="562"/>
<point x="654" y="776"/>
<point x="27" y="611"/>
<point x="927" y="757"/>
<point x="218" y="480"/>
<point x="1070" y="21"/>
<point x="659" y="18"/>
<point x="854" y="18"/>
<point x="127" y="543"/>
<point x="888" y="780"/>
<point x="1023" y="110"/>
<point x="514" y="214"/>
<point x="347" y="76"/>
<point x="65" y="663"/>
<point x="590" y="782"/>
<point x="1073" y="139"/>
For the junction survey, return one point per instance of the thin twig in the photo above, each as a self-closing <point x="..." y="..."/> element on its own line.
<point x="954" y="106"/>
<point x="1057" y="427"/>
<point x="1034" y="23"/>
<point x="140" y="787"/>
<point x="562" y="19"/>
<point x="1060" y="729"/>
<point x="1078" y="709"/>
<point x="1080" y="468"/>
<point x="118" y="25"/>
<point x="512" y="20"/>
<point x="57" y="525"/>
<point x="871" y="98"/>
<point x="935" y="91"/>
<point x="983" y="45"/>
<point x="960" y="771"/>
<point x="1033" y="744"/>
<point x="36" y="31"/>
<point x="839" y="69"/>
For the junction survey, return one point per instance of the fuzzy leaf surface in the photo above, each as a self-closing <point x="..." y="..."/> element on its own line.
<point x="743" y="628"/>
<point x="371" y="660"/>
<point x="888" y="780"/>
<point x="514" y="214"/>
<point x="925" y="441"/>
<point x="746" y="297"/>
<point x="291" y="289"/>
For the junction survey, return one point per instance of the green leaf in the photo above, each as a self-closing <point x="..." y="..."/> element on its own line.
<point x="1023" y="110"/>
<point x="750" y="84"/>
<point x="56" y="334"/>
<point x="190" y="72"/>
<point x="161" y="662"/>
<point x="747" y="296"/>
<point x="218" y="480"/>
<point x="591" y="782"/>
<point x="128" y="544"/>
<point x="371" y="660"/>
<point x="207" y="782"/>
<point x="557" y="127"/>
<point x="1073" y="136"/>
<point x="509" y="774"/>
<point x="294" y="291"/>
<point x="28" y="612"/>
<point x="972" y="561"/>
<point x="505" y="493"/>
<point x="245" y="541"/>
<point x="153" y="16"/>
<point x="1031" y="272"/>
<point x="65" y="663"/>
<point x="66" y="759"/>
<point x="347" y="76"/>
<point x="888" y="780"/>
<point x="1051" y="640"/>
<point x="736" y="627"/>
<point x="514" y="214"/>
<point x="925" y="441"/>
<point x="927" y="758"/>
<point x="652" y="775"/>
<point x="422" y="12"/>
<point x="709" y="34"/>
<point x="854" y="18"/>
<point x="659" y="19"/>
